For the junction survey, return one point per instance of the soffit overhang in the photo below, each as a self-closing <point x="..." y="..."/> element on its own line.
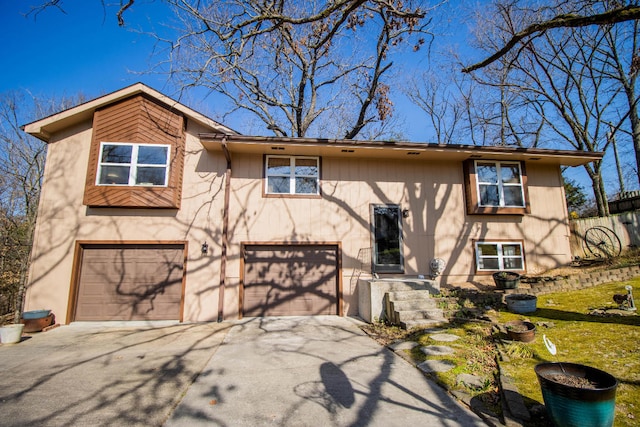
<point x="391" y="150"/>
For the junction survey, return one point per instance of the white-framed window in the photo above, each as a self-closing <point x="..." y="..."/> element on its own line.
<point x="292" y="175"/>
<point x="499" y="184"/>
<point x="492" y="256"/>
<point x="386" y="234"/>
<point x="129" y="164"/>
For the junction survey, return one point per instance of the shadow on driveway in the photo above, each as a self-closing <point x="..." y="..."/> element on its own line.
<point x="312" y="371"/>
<point x="103" y="375"/>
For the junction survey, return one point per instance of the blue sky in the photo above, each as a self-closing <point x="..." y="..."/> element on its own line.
<point x="83" y="50"/>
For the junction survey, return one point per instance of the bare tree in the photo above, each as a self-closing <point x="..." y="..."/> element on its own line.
<point x="565" y="77"/>
<point x="442" y="101"/>
<point x="619" y="22"/>
<point x="624" y="61"/>
<point x="22" y="160"/>
<point x="611" y="12"/>
<point x="295" y="64"/>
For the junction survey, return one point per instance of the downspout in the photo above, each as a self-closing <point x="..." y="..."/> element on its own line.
<point x="225" y="231"/>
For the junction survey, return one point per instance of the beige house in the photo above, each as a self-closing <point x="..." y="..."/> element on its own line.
<point x="150" y="210"/>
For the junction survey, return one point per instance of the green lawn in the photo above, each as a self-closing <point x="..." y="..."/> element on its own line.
<point x="609" y="343"/>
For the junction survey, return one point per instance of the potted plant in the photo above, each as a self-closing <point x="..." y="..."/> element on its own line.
<point x="519" y="330"/>
<point x="577" y="395"/>
<point x="506" y="279"/>
<point x="521" y="303"/>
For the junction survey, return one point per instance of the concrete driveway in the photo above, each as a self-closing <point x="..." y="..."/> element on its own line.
<point x="312" y="371"/>
<point x="299" y="371"/>
<point x="98" y="375"/>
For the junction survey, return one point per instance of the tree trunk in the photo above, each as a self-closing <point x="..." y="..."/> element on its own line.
<point x="635" y="134"/>
<point x="598" y="189"/>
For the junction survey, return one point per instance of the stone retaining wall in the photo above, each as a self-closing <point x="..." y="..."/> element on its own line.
<point x="581" y="281"/>
<point x="490" y="296"/>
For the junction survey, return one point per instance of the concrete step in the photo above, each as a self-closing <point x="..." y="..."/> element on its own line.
<point x="406" y="286"/>
<point x="413" y="307"/>
<point x="434" y="313"/>
<point x="423" y="323"/>
<point x="409" y="295"/>
<point x="413" y="304"/>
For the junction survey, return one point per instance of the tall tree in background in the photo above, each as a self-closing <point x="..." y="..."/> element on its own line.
<point x="319" y="68"/>
<point x="302" y="68"/>
<point x="22" y="160"/>
<point x="619" y="23"/>
<point x="443" y="102"/>
<point x="565" y="75"/>
<point x="575" y="197"/>
<point x="624" y="58"/>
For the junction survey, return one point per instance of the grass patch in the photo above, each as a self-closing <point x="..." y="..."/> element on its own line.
<point x="607" y="342"/>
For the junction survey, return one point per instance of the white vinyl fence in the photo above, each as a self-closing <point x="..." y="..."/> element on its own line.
<point x="597" y="237"/>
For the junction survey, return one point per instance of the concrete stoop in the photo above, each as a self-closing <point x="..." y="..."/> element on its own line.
<point x="410" y="306"/>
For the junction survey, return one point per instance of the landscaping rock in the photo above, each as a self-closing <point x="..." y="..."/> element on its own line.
<point x="471" y="381"/>
<point x="432" y="331"/>
<point x="437" y="350"/>
<point x="429" y="366"/>
<point x="444" y="337"/>
<point x="403" y="345"/>
<point x="546" y="324"/>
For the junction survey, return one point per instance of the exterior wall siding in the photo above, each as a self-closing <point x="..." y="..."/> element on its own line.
<point x="63" y="220"/>
<point x="437" y="226"/>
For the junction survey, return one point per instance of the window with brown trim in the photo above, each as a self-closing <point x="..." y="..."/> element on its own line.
<point x="133" y="164"/>
<point x="292" y="175"/>
<point x="499" y="255"/>
<point x="496" y="187"/>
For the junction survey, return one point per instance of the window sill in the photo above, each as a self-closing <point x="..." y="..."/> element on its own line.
<point x="495" y="210"/>
<point x="292" y="196"/>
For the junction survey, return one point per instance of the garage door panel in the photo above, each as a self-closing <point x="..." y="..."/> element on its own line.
<point x="290" y="280"/>
<point x="132" y="282"/>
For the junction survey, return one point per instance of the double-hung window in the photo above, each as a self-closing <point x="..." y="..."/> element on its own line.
<point x="128" y="164"/>
<point x="496" y="187"/>
<point x="292" y="175"/>
<point x="386" y="231"/>
<point x="492" y="256"/>
<point x="499" y="184"/>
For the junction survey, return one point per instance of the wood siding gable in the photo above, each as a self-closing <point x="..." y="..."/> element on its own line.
<point x="137" y="120"/>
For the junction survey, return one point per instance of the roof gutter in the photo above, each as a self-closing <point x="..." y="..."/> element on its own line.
<point x="225" y="232"/>
<point x="394" y="149"/>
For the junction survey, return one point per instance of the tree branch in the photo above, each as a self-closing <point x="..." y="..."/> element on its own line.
<point x="121" y="12"/>
<point x="614" y="16"/>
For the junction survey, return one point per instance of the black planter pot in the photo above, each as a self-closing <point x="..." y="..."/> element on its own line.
<point x="574" y="406"/>
<point x="506" y="279"/>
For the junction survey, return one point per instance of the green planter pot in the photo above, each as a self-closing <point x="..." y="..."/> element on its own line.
<point x="506" y="279"/>
<point x="570" y="406"/>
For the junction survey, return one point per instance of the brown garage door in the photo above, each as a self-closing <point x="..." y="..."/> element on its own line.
<point x="130" y="282"/>
<point x="290" y="280"/>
